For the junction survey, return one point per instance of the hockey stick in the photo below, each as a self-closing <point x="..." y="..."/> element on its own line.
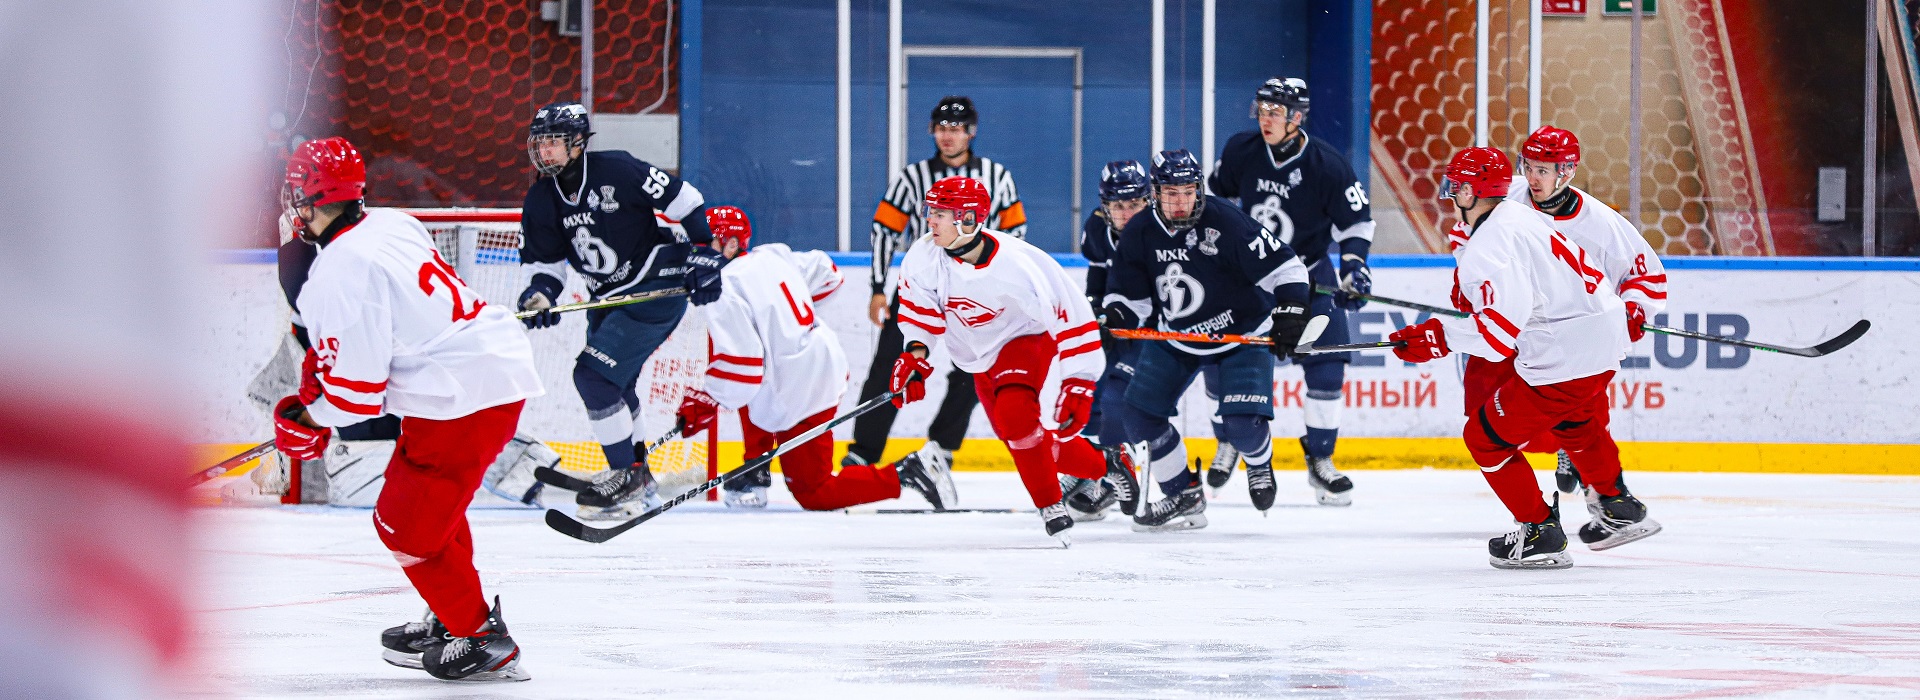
<point x="621" y="300"/>
<point x="228" y="464"/>
<point x="1149" y="334"/>
<point x="559" y="479"/>
<point x="1827" y="347"/>
<point x="573" y="528"/>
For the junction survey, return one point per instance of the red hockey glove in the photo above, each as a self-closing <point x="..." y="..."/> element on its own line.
<point x="697" y="412"/>
<point x="1075" y="405"/>
<point x="1636" y="318"/>
<point x="296" y="439"/>
<point x="1420" y="342"/>
<point x="909" y="382"/>
<point x="310" y="378"/>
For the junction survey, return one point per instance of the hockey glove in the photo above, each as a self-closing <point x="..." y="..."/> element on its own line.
<point x="1118" y="316"/>
<point x="1420" y="342"/>
<point x="1636" y="322"/>
<point x="310" y="378"/>
<point x="1289" y="320"/>
<point x="539" y="296"/>
<point x="910" y="374"/>
<point x="697" y="412"/>
<point x="1355" y="277"/>
<point x="1075" y="405"/>
<point x="298" y="440"/>
<point x="703" y="275"/>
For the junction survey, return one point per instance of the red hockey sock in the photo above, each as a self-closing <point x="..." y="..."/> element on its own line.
<point x="1588" y="443"/>
<point x="1513" y="481"/>
<point x="1074" y="456"/>
<point x="451" y="586"/>
<point x="1014" y="411"/>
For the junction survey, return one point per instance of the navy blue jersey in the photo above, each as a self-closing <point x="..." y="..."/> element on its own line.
<point x="1221" y="276"/>
<point x="621" y="229"/>
<point x="1310" y="200"/>
<point x="1098" y="238"/>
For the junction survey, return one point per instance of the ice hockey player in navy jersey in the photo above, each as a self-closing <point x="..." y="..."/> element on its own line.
<point x="1306" y="193"/>
<point x="1198" y="265"/>
<point x="1124" y="193"/>
<point x="625" y="226"/>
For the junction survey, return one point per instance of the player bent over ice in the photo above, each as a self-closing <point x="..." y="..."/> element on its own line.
<point x="1008" y="313"/>
<point x="774" y="362"/>
<point x="1198" y="265"/>
<point x="396" y="331"/>
<point x="1534" y="298"/>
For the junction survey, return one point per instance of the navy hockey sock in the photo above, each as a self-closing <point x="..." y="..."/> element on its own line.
<point x="1323" y="404"/>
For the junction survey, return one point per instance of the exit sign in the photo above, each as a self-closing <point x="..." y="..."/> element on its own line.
<point x="1624" y="7"/>
<point x="1563" y="8"/>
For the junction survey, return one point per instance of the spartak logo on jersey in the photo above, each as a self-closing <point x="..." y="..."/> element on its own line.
<point x="972" y="313"/>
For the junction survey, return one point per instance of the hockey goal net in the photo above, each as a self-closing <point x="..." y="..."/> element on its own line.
<point x="483" y="246"/>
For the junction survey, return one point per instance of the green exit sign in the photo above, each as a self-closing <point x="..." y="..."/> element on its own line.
<point x="1624" y="7"/>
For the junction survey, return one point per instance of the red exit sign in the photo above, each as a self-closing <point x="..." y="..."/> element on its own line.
<point x="1563" y="8"/>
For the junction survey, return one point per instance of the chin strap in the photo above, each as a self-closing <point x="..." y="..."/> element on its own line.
<point x="960" y="251"/>
<point x="354" y="212"/>
<point x="1560" y="204"/>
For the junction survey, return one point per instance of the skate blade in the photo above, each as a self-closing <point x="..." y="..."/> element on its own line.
<point x="1189" y="522"/>
<point x="1556" y="560"/>
<point x="1631" y="533"/>
<point x="1066" y="539"/>
<point x="1329" y="498"/>
<point x="402" y="659"/>
<point x="510" y="674"/>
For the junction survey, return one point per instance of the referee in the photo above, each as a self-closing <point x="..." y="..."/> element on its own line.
<point x="897" y="224"/>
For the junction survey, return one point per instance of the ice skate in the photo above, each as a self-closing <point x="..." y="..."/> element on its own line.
<point x="1224" y="460"/>
<point x="618" y="494"/>
<point x="492" y="656"/>
<point x="1615" y="520"/>
<point x="929" y="470"/>
<point x="401" y="645"/>
<point x="749" y="490"/>
<point x="1565" y="475"/>
<point x="1119" y="479"/>
<point x="1260" y="485"/>
<point x="1184" y="511"/>
<point x="1087" y="500"/>
<point x="1541" y="545"/>
<point x="1058" y="522"/>
<point x="1330" y="487"/>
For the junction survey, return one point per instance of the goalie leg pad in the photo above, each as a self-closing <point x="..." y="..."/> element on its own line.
<point x="356" y="470"/>
<point x="511" y="475"/>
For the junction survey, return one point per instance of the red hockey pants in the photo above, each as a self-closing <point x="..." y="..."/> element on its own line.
<point x="1515" y="414"/>
<point x="422" y="512"/>
<point x="1480" y="379"/>
<point x="808" y="468"/>
<point x="1010" y="392"/>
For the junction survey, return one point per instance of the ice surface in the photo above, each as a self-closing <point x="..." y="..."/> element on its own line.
<point x="1761" y="585"/>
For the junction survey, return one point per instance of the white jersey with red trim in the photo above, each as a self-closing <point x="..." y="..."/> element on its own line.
<point x="1016" y="290"/>
<point x="398" y="332"/>
<point x="1537" y="298"/>
<point x="770" y="353"/>
<point x="1622" y="253"/>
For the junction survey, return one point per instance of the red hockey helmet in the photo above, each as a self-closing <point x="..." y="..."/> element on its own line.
<point x="1551" y="145"/>
<point x="960" y="194"/>
<point x="729" y="224"/>
<point x="323" y="172"/>
<point x="1486" y="171"/>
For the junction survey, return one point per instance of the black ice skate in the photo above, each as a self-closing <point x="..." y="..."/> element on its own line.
<point x="1615" y="520"/>
<point x="1330" y="487"/>
<point x="1087" y="499"/>
<point x="619" y="494"/>
<point x="1119" y="479"/>
<point x="1184" y="511"/>
<point x="1541" y="545"/>
<point x="931" y="474"/>
<point x="492" y="656"/>
<point x="1058" y="522"/>
<point x="1260" y="485"/>
<point x="1224" y="460"/>
<point x="401" y="645"/>
<point x="748" y="490"/>
<point x="1565" y="475"/>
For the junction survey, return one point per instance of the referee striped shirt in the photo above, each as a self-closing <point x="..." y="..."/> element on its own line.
<point x="898" y="222"/>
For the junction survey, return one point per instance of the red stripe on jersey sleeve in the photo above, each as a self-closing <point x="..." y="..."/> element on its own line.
<point x="1502" y="321"/>
<point x="923" y="326"/>
<point x="916" y="308"/>
<point x="353" y="384"/>
<point x="1076" y="331"/>
<point x="1499" y="345"/>
<point x="717" y="373"/>
<point x="738" y="360"/>
<point x="358" y="409"/>
<point x="1082" y="350"/>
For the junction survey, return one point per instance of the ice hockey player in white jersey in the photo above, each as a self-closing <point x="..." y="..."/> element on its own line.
<point x="396" y="331"/>
<point x="1548" y="160"/>
<point x="1007" y="313"/>
<point x="1534" y="297"/>
<point x="784" y="371"/>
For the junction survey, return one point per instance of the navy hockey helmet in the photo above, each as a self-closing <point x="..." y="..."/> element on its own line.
<point x="955" y="110"/>
<point x="564" y="121"/>
<point x="1124" y="179"/>
<point x="1173" y="168"/>
<point x="1286" y="92"/>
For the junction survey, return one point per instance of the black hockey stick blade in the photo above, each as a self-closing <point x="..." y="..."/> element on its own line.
<point x="926" y="511"/>
<point x="565" y="525"/>
<point x="1842" y="340"/>
<point x="559" y="479"/>
<point x="1825" y="348"/>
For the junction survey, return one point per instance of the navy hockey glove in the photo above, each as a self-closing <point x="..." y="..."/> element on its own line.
<point x="539" y="296"/>
<point x="1117" y="316"/>
<point x="1355" y="277"/>
<point x="1289" y="320"/>
<point x="703" y="275"/>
